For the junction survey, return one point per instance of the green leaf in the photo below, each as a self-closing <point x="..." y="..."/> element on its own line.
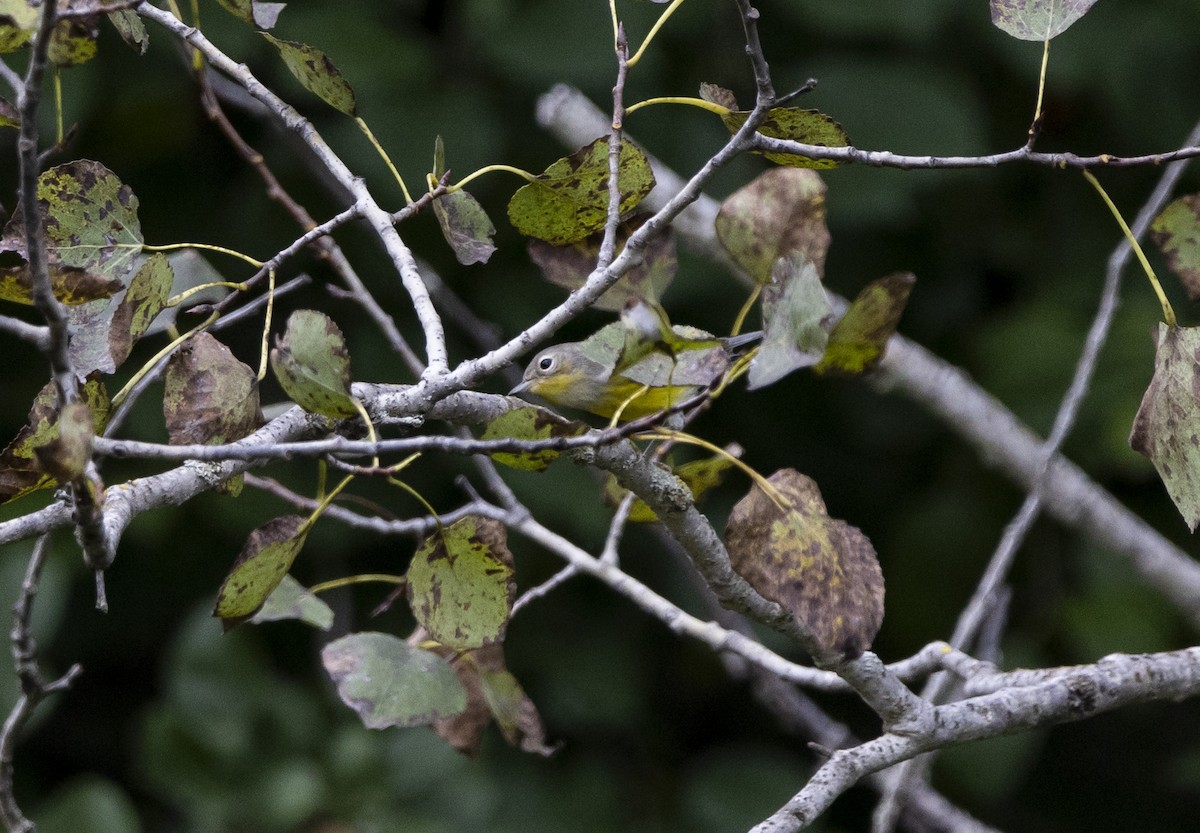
<point x="1176" y="231"/>
<point x="73" y="41"/>
<point x="264" y="560"/>
<point x="460" y="583"/>
<point x="312" y="365"/>
<point x="805" y="126"/>
<point x="208" y="396"/>
<point x="19" y="469"/>
<point x="1168" y="421"/>
<point x="71" y="285"/>
<point x="516" y="715"/>
<point x="464" y="223"/>
<point x="530" y="423"/>
<point x="780" y="213"/>
<point x="291" y="600"/>
<point x="570" y="265"/>
<point x="254" y="12"/>
<point x="860" y="337"/>
<point x="390" y="683"/>
<point x="148" y="294"/>
<point x="131" y="29"/>
<point x="796" y="315"/>
<point x="1038" y="20"/>
<point x="316" y="73"/>
<point x="822" y="570"/>
<point x="569" y="200"/>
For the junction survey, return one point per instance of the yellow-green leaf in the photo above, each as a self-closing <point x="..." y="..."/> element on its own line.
<point x="569" y="200"/>
<point x="312" y="365"/>
<point x="859" y="339"/>
<point x="530" y="423"/>
<point x="264" y="560"/>
<point x="316" y="73"/>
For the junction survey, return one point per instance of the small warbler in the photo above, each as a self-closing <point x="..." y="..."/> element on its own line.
<point x="580" y="374"/>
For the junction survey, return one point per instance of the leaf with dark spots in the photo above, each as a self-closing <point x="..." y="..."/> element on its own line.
<point x="569" y="200"/>
<point x="530" y="423"/>
<point x="147" y="297"/>
<point x="71" y="285"/>
<point x="20" y="472"/>
<point x="1167" y="426"/>
<point x="264" y="560"/>
<point x="316" y="73"/>
<point x="312" y="365"/>
<point x="460" y="583"/>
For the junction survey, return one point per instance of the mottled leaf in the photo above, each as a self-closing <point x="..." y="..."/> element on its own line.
<point x="65" y="456"/>
<point x="808" y="127"/>
<point x="860" y="337"/>
<point x="1038" y="20"/>
<point x="796" y="316"/>
<point x="530" y="423"/>
<point x="780" y="213"/>
<point x="1177" y="232"/>
<point x="312" y="365"/>
<point x="493" y="693"/>
<point x="822" y="570"/>
<point x="18" y="21"/>
<point x="90" y="220"/>
<point x="460" y="583"/>
<point x="9" y="117"/>
<point x="71" y="285"/>
<point x="19" y="469"/>
<point x="464" y="223"/>
<point x="291" y="600"/>
<point x="147" y="297"/>
<point x="256" y="13"/>
<point x="390" y="683"/>
<point x="316" y="73"/>
<point x="73" y="41"/>
<point x="569" y="200"/>
<point x="1167" y="426"/>
<point x="208" y="396"/>
<point x="264" y="560"/>
<point x="570" y="265"/>
<point x="131" y="29"/>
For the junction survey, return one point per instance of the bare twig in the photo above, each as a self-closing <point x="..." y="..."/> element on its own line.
<point x="34" y="687"/>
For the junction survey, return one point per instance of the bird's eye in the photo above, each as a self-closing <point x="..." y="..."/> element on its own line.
<point x="545" y="363"/>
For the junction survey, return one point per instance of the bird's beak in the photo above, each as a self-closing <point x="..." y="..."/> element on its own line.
<point x="521" y="388"/>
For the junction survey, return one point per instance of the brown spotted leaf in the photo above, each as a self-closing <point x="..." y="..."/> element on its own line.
<point x="390" y="683"/>
<point x="464" y="223"/>
<point x="858" y="340"/>
<point x="264" y="560"/>
<point x="71" y="285"/>
<point x="19" y="469"/>
<point x="65" y="456"/>
<point x="460" y="583"/>
<point x="146" y="298"/>
<point x="781" y="212"/>
<point x="493" y="693"/>
<point x="312" y="365"/>
<point x="808" y="127"/>
<point x="569" y="200"/>
<point x="208" y="396"/>
<point x="1167" y="426"/>
<point x="1176" y="231"/>
<point x="316" y="73"/>
<point x="530" y="423"/>
<point x="822" y="570"/>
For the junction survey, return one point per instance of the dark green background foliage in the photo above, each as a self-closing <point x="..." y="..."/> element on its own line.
<point x="175" y="727"/>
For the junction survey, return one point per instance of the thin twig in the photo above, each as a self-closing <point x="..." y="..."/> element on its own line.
<point x="34" y="687"/>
